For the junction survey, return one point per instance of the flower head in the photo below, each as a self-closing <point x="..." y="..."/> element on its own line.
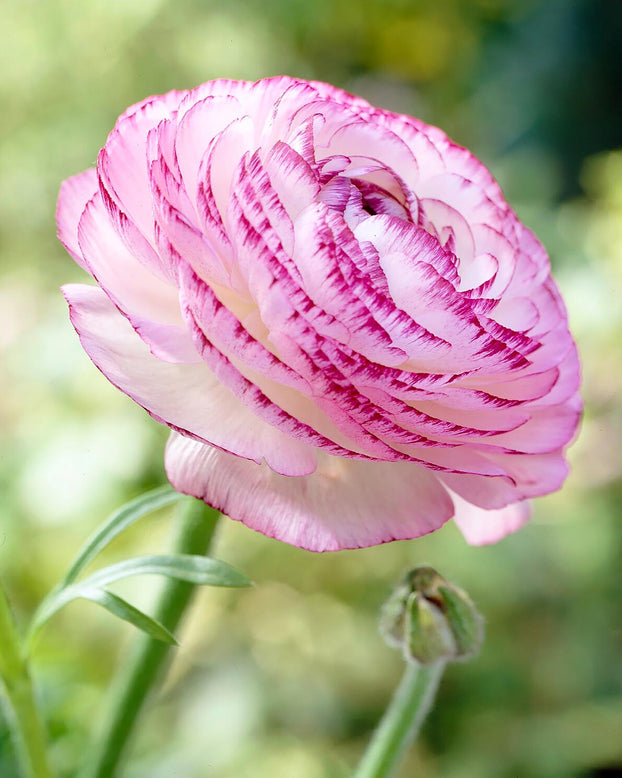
<point x="348" y="330"/>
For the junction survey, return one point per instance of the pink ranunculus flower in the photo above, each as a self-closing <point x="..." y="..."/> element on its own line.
<point x="348" y="330"/>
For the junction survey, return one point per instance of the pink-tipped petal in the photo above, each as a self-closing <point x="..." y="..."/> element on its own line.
<point x="186" y="397"/>
<point x="332" y="306"/>
<point x="343" y="504"/>
<point x="74" y="195"/>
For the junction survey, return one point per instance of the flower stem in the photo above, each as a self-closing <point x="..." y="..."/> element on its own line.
<point x="23" y="716"/>
<point x="402" y="720"/>
<point x="146" y="663"/>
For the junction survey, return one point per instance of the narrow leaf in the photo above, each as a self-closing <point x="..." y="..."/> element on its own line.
<point x="112" y="602"/>
<point x="121" y="608"/>
<point x="116" y="523"/>
<point x="186" y="567"/>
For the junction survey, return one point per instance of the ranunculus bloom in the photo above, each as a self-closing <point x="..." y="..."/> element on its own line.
<point x="348" y="330"/>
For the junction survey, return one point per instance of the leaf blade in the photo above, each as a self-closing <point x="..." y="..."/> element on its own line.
<point x="116" y="523"/>
<point x="126" y="611"/>
<point x="192" y="568"/>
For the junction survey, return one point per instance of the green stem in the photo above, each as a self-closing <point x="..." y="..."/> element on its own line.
<point x="402" y="720"/>
<point x="146" y="663"/>
<point x="23" y="716"/>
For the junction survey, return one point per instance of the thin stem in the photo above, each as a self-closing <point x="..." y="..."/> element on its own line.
<point x="402" y="720"/>
<point x="23" y="716"/>
<point x="146" y="663"/>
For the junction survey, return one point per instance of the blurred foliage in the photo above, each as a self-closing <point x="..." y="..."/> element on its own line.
<point x="287" y="680"/>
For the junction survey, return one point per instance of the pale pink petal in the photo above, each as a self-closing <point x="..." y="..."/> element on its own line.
<point x="185" y="397"/>
<point x="371" y="142"/>
<point x="547" y="430"/>
<point x="481" y="527"/>
<point x="123" y="166"/>
<point x="150" y="304"/>
<point x="343" y="504"/>
<point x="200" y="124"/>
<point x="74" y="194"/>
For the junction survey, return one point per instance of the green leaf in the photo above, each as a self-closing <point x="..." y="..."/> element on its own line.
<point x="112" y="602"/>
<point x="116" y="523"/>
<point x="186" y="567"/>
<point x="121" y="608"/>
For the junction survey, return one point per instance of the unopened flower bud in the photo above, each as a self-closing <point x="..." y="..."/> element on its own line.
<point x="430" y="619"/>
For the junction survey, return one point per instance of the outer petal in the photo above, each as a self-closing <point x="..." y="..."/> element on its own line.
<point x="151" y="305"/>
<point x="344" y="504"/>
<point x="122" y="165"/>
<point x="185" y="397"/>
<point x="74" y="194"/>
<point x="481" y="527"/>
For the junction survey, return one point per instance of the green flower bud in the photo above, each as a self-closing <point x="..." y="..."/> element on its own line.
<point x="430" y="619"/>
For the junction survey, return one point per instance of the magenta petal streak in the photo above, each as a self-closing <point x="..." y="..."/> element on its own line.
<point x="348" y="330"/>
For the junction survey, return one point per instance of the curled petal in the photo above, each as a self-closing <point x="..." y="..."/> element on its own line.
<point x="74" y="195"/>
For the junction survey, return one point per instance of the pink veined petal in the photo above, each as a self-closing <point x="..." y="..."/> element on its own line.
<point x="74" y="194"/>
<point x="495" y="243"/>
<point x="178" y="238"/>
<point x="463" y="197"/>
<point x="364" y="139"/>
<point x="198" y="303"/>
<point x="265" y="268"/>
<point x="185" y="397"/>
<point x="419" y="138"/>
<point x="135" y="241"/>
<point x="151" y="305"/>
<point x="550" y="308"/>
<point x="261" y="221"/>
<point x="460" y="160"/>
<point x="477" y="273"/>
<point x="534" y="474"/>
<point x="223" y="157"/>
<point x="474" y="421"/>
<point x="330" y="258"/>
<point x="448" y="226"/>
<point x="119" y="272"/>
<point x="547" y="431"/>
<point x="343" y="504"/>
<point x="568" y="381"/>
<point x="518" y="313"/>
<point x="277" y="381"/>
<point x="481" y="527"/>
<point x="484" y="492"/>
<point x="200" y="124"/>
<point x="419" y="290"/>
<point x="285" y="110"/>
<point x="123" y="165"/>
<point x="293" y="181"/>
<point x="533" y="267"/>
<point x="523" y="388"/>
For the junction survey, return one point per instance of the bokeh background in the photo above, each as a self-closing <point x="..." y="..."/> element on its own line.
<point x="287" y="680"/>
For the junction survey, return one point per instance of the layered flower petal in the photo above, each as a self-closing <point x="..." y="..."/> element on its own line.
<point x="348" y="330"/>
<point x="343" y="504"/>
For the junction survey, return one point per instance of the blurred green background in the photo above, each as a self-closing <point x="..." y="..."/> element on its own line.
<point x="287" y="680"/>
